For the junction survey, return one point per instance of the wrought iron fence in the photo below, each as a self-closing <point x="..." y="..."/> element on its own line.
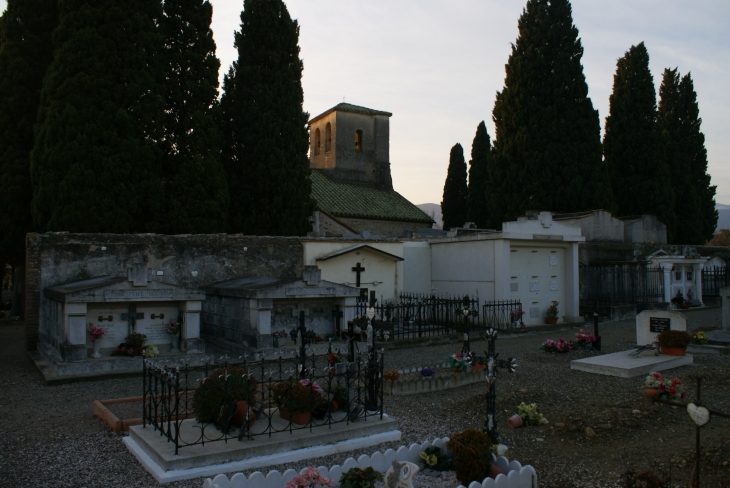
<point x="245" y="399"/>
<point x="714" y="278"/>
<point x="627" y="284"/>
<point x="417" y="315"/>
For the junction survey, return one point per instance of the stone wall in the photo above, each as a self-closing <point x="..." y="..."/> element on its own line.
<point x="186" y="260"/>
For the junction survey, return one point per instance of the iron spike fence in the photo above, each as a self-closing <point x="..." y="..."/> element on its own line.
<point x="626" y="284"/>
<point x="714" y="278"/>
<point x="244" y="399"/>
<point x="420" y="315"/>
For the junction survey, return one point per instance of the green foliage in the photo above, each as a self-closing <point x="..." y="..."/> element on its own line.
<point x="95" y="163"/>
<point x="195" y="182"/>
<point x="472" y="450"/>
<point x="265" y="140"/>
<point x="530" y="415"/>
<point x="26" y="50"/>
<point x="339" y="392"/>
<point x="552" y="310"/>
<point x="674" y="338"/>
<point x="633" y="143"/>
<point x="135" y="340"/>
<point x="481" y="149"/>
<point x="547" y="148"/>
<point x="222" y="386"/>
<point x="295" y="397"/>
<point x="453" y="205"/>
<point x="360" y="478"/>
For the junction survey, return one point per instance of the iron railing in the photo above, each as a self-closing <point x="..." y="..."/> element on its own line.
<point x="714" y="278"/>
<point x="626" y="284"/>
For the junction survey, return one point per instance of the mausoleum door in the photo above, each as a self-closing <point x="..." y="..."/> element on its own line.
<point x="539" y="275"/>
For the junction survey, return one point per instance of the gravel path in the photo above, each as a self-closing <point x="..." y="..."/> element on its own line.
<point x="49" y="437"/>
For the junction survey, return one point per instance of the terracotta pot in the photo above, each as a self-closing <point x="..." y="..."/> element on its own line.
<point x="480" y="367"/>
<point x="651" y="393"/>
<point x="301" y="418"/>
<point x="495" y="471"/>
<point x="673" y="351"/>
<point x="551" y="320"/>
<point x="240" y="414"/>
<point x="514" y="421"/>
<point x="392" y="378"/>
<point x="334" y="405"/>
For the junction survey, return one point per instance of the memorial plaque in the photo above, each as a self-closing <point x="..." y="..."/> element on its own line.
<point x="513" y="287"/>
<point x="657" y="324"/>
<point x="136" y="294"/>
<point x="553" y="286"/>
<point x="534" y="286"/>
<point x="553" y="261"/>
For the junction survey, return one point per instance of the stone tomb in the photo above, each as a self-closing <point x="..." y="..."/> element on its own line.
<point x="121" y="305"/>
<point x="650" y="323"/>
<point x="241" y="314"/>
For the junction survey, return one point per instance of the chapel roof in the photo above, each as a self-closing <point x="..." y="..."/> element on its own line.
<point x="351" y="200"/>
<point x="348" y="107"/>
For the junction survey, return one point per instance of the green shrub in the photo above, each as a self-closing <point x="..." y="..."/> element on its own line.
<point x="295" y="397"/>
<point x="223" y="386"/>
<point x="472" y="450"/>
<point x="360" y="478"/>
<point x="674" y="338"/>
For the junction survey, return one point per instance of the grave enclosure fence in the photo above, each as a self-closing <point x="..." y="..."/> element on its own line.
<point x="603" y="286"/>
<point x="327" y="390"/>
<point x="713" y="279"/>
<point x="420" y="315"/>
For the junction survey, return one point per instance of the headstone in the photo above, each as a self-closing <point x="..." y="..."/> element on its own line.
<point x="650" y="323"/>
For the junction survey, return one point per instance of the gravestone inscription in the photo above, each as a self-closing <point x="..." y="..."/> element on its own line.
<point x="650" y="323"/>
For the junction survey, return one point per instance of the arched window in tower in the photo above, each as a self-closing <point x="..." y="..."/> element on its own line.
<point x="328" y="137"/>
<point x="358" y="140"/>
<point x="317" y="142"/>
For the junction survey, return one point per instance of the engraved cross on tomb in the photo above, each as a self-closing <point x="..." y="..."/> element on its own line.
<point x="132" y="316"/>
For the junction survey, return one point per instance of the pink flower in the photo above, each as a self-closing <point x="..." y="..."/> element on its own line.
<point x="672" y="390"/>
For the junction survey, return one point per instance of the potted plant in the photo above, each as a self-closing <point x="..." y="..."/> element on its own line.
<point x="173" y="328"/>
<point x="586" y="339"/>
<point x="96" y="333"/>
<point x="674" y="342"/>
<point x="699" y="338"/>
<point x="297" y="400"/>
<point x="551" y="315"/>
<point x="656" y="385"/>
<point x="391" y="375"/>
<point x="457" y="363"/>
<point x="427" y="372"/>
<point x="222" y="386"/>
<point x="472" y="450"/>
<point x="309" y="478"/>
<point x="515" y="318"/>
<point x="360" y="478"/>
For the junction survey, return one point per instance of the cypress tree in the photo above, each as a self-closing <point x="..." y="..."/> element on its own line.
<point x="694" y="144"/>
<point x="547" y="143"/>
<point x="195" y="184"/>
<point x="96" y="160"/>
<point x="26" y="50"/>
<point x="687" y="209"/>
<point x="265" y="135"/>
<point x="481" y="149"/>
<point x="453" y="204"/>
<point x="633" y="143"/>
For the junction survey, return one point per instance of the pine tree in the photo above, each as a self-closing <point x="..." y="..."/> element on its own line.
<point x="453" y="204"/>
<point x="547" y="144"/>
<point x="195" y="182"/>
<point x="96" y="161"/>
<point x="26" y="50"/>
<point x="694" y="141"/>
<point x="633" y="144"/>
<point x="481" y="149"/>
<point x="687" y="209"/>
<point x="265" y="136"/>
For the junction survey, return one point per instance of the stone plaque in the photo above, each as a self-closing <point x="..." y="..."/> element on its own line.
<point x="534" y="286"/>
<point x="650" y="320"/>
<point x="136" y="294"/>
<point x="699" y="414"/>
<point x="553" y="260"/>
<point x="513" y="287"/>
<point x="658" y="324"/>
<point x="553" y="286"/>
<point x="534" y="312"/>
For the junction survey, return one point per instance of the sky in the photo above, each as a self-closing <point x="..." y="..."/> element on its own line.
<point x="437" y="66"/>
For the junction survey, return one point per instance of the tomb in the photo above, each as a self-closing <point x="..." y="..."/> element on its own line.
<point x="682" y="275"/>
<point x="242" y="313"/>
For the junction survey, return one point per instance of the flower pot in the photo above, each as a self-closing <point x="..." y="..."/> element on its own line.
<point x="496" y="470"/>
<point x="456" y="370"/>
<point x="650" y="393"/>
<point x="97" y="346"/>
<point x="175" y="343"/>
<point x="334" y="405"/>
<point x="301" y="418"/>
<point x="551" y="320"/>
<point x="514" y="421"/>
<point x="392" y="378"/>
<point x="239" y="415"/>
<point x="673" y="351"/>
<point x="480" y="367"/>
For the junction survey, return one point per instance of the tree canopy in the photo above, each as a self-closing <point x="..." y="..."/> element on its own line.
<point x="481" y="149"/>
<point x="453" y="204"/>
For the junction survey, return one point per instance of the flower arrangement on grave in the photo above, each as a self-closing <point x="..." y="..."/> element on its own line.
<point x="281" y="333"/>
<point x="673" y="339"/>
<point x="132" y="345"/>
<point x="679" y="302"/>
<point x="297" y="397"/>
<point x="472" y="450"/>
<point x="559" y="346"/>
<point x="427" y="372"/>
<point x="456" y="362"/>
<point x="222" y="386"/>
<point x="172" y="327"/>
<point x="151" y="351"/>
<point x="584" y="337"/>
<point x="434" y="459"/>
<point x="699" y="338"/>
<point x="391" y="374"/>
<point x="95" y="332"/>
<point x="340" y="397"/>
<point x="360" y="478"/>
<point x="670" y="388"/>
<point x="530" y="415"/>
<point x="309" y="478"/>
<point x="333" y="358"/>
<point x="515" y="316"/>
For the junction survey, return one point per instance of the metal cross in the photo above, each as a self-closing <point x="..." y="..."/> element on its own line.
<point x="493" y="364"/>
<point x="337" y="315"/>
<point x="358" y="269"/>
<point x="132" y="316"/>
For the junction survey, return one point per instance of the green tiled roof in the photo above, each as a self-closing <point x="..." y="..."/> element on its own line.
<point x="348" y="107"/>
<point x="351" y="200"/>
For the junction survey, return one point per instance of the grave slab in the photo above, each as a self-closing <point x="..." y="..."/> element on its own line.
<point x="157" y="455"/>
<point x="624" y="366"/>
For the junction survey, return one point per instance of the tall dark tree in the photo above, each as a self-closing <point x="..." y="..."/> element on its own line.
<point x="26" y="50"/>
<point x="687" y="210"/>
<point x="481" y="149"/>
<point x="633" y="143"/>
<point x="195" y="183"/>
<point x="265" y="135"/>
<point x="547" y="143"/>
<point x="454" y="202"/>
<point x="96" y="161"/>
<point x="695" y="147"/>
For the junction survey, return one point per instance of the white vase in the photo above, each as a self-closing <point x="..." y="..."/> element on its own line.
<point x="97" y="346"/>
<point x="175" y="343"/>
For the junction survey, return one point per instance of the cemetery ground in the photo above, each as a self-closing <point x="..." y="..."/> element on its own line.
<point x="49" y="437"/>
